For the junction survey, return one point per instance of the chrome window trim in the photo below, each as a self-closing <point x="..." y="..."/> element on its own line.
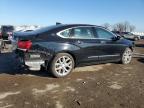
<point x="59" y="33"/>
<point x="115" y="55"/>
<point x="93" y="57"/>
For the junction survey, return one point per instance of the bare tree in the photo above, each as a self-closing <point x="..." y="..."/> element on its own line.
<point x="107" y="26"/>
<point x="132" y="28"/>
<point x="126" y="25"/>
<point x="114" y="28"/>
<point x="118" y="27"/>
<point x="123" y="27"/>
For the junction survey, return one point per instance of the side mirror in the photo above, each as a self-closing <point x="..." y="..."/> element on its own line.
<point x="116" y="38"/>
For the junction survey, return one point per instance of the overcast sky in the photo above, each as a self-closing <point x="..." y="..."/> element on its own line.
<point x="47" y="12"/>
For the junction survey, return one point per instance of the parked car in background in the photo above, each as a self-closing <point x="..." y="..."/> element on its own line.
<point x="6" y="31"/>
<point x="60" y="48"/>
<point x="142" y="37"/>
<point x="127" y="35"/>
<point x="118" y="34"/>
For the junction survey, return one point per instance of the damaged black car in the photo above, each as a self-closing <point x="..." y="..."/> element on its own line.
<point x="61" y="48"/>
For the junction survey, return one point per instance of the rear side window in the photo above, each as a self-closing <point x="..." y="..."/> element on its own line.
<point x="104" y="34"/>
<point x="65" y="33"/>
<point x="82" y="32"/>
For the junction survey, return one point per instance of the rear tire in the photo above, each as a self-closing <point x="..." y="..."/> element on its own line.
<point x="62" y="65"/>
<point x="126" y="56"/>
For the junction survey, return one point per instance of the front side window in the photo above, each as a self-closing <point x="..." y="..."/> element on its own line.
<point x="104" y="34"/>
<point x="82" y="32"/>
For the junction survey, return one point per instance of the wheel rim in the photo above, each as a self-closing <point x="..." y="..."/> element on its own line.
<point x="127" y="56"/>
<point x="63" y="65"/>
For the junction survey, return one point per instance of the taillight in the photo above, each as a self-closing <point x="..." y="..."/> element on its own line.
<point x="25" y="45"/>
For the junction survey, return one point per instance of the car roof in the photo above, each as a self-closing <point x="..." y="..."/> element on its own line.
<point x="75" y="25"/>
<point x="58" y="27"/>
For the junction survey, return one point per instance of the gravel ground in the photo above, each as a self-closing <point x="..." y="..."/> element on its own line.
<point x="109" y="85"/>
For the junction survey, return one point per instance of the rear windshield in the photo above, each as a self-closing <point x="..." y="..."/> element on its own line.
<point x="45" y="29"/>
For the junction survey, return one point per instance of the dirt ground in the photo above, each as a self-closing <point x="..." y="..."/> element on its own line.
<point x="109" y="85"/>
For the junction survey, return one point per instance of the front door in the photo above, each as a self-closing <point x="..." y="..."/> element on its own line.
<point x="110" y="50"/>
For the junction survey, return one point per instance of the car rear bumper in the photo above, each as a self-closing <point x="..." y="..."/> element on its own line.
<point x="32" y="60"/>
<point x="34" y="65"/>
<point x="30" y="64"/>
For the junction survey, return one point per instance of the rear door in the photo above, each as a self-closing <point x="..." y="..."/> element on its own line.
<point x="86" y="42"/>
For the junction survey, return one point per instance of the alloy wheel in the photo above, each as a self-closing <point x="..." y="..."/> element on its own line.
<point x="63" y="65"/>
<point x="127" y="56"/>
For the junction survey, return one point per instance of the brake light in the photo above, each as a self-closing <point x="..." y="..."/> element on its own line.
<point x="25" y="45"/>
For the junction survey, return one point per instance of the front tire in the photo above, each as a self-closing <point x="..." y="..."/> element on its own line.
<point x="62" y="65"/>
<point x="126" y="56"/>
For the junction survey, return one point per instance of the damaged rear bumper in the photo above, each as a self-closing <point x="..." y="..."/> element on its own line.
<point x="34" y="65"/>
<point x="32" y="61"/>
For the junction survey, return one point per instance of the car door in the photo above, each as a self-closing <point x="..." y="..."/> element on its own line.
<point x="109" y="48"/>
<point x="84" y="38"/>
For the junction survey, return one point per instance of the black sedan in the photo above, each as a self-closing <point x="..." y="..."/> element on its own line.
<point x="61" y="48"/>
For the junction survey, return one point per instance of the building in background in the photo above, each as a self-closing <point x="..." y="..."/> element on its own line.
<point x="138" y="33"/>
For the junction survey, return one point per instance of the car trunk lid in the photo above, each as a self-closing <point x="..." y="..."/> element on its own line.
<point x="22" y="40"/>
